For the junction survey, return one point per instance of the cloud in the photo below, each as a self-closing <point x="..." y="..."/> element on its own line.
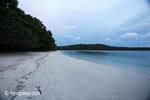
<point x="134" y="39"/>
<point x="132" y="35"/>
<point x="147" y="35"/>
<point x="72" y="37"/>
<point x="128" y="35"/>
<point x="138" y="26"/>
<point x="92" y="22"/>
<point x="69" y="36"/>
<point x="108" y="39"/>
<point x="77" y="38"/>
<point x="61" y="29"/>
<point x="71" y="27"/>
<point x="137" y="36"/>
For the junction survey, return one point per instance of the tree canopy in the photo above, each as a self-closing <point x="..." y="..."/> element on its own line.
<point x="98" y="47"/>
<point x="19" y="31"/>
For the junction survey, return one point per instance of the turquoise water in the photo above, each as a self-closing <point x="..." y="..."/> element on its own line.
<point x="132" y="60"/>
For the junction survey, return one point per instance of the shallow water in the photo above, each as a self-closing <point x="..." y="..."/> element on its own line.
<point x="133" y="60"/>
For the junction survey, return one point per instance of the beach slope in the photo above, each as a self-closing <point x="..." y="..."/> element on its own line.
<point x="56" y="76"/>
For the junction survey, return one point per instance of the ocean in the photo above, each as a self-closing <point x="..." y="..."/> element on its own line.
<point x="131" y="60"/>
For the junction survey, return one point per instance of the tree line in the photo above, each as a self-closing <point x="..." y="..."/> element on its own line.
<point x="19" y="31"/>
<point x="98" y="47"/>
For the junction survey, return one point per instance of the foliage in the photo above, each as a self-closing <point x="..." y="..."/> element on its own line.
<point x="98" y="47"/>
<point x="19" y="31"/>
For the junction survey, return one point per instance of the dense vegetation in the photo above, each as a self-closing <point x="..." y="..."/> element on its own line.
<point x="98" y="47"/>
<point x="19" y="31"/>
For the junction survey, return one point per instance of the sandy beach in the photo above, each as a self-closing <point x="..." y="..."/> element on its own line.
<point x="56" y="76"/>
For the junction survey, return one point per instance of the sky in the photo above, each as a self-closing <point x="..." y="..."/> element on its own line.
<point x="111" y="22"/>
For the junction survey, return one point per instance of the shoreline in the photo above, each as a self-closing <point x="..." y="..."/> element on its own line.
<point x="119" y="66"/>
<point x="61" y="77"/>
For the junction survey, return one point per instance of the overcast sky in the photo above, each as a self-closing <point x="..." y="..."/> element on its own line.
<point x="112" y="22"/>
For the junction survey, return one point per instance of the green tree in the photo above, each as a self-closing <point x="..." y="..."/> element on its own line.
<point x="19" y="31"/>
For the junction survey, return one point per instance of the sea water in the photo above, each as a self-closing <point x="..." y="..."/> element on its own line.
<point x="132" y="60"/>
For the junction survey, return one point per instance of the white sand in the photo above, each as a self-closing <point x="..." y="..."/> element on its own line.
<point x="60" y="77"/>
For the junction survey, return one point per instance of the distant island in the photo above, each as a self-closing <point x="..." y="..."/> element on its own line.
<point x="98" y="47"/>
<point x="19" y="31"/>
